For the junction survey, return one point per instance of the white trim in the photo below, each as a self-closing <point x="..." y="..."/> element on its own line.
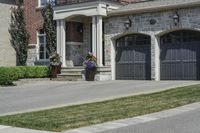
<point x="113" y="56"/>
<point x="63" y="44"/>
<point x="157" y="58"/>
<point x="99" y="41"/>
<point x="87" y="9"/>
<point x="94" y="36"/>
<point x="39" y="4"/>
<point x="38" y="47"/>
<point x="74" y="43"/>
<point x="61" y="40"/>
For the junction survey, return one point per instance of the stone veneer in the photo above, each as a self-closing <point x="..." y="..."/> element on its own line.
<point x="76" y="51"/>
<point x="114" y="28"/>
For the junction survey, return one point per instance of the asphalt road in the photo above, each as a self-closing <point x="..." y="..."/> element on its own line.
<point x="188" y="122"/>
<point x="50" y="94"/>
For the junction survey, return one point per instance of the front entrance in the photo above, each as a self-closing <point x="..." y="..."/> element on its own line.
<point x="180" y="55"/>
<point x="133" y="57"/>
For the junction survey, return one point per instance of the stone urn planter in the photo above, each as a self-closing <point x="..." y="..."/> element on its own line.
<point x="55" y="65"/>
<point x="55" y="70"/>
<point x="90" y="67"/>
<point x="90" y="74"/>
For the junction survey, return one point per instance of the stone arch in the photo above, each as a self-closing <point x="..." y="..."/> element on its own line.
<point x="115" y="37"/>
<point x="171" y="43"/>
<point x="161" y="33"/>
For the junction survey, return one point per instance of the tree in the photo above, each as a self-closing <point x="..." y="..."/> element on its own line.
<point x="18" y="33"/>
<point x="50" y="29"/>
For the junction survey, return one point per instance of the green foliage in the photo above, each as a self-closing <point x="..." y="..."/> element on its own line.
<point x="19" y="35"/>
<point x="10" y="74"/>
<point x="50" y="29"/>
<point x="55" y="59"/>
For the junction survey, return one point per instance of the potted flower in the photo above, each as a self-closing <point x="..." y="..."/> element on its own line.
<point x="55" y="64"/>
<point x="90" y="67"/>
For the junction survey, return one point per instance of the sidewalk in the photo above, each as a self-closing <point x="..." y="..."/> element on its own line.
<point x="8" y="129"/>
<point x="114" y="124"/>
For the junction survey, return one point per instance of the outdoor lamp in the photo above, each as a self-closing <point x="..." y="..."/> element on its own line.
<point x="128" y="23"/>
<point x="176" y="18"/>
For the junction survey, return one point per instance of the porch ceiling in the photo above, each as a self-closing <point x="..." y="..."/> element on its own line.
<point x="87" y="9"/>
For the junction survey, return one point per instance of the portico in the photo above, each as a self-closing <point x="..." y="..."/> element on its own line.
<point x="92" y="35"/>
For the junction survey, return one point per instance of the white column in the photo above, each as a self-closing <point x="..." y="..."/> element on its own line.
<point x="157" y="59"/>
<point x="94" y="36"/>
<point x="99" y="41"/>
<point x="58" y="37"/>
<point x="61" y="41"/>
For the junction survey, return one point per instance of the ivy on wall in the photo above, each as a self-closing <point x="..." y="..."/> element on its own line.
<point x="49" y="28"/>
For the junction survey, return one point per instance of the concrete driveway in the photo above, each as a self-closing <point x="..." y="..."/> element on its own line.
<point x="50" y="94"/>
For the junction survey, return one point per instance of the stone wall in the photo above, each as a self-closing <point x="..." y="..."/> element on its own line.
<point x="7" y="52"/>
<point x="114" y="28"/>
<point x="32" y="56"/>
<point x="76" y="51"/>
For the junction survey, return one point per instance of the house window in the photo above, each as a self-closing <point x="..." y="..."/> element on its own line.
<point x="42" y="3"/>
<point x="42" y="45"/>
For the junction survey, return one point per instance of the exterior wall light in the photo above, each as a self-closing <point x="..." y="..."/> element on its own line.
<point x="176" y="18"/>
<point x="128" y="23"/>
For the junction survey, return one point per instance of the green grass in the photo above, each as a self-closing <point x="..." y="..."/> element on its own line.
<point x="65" y="118"/>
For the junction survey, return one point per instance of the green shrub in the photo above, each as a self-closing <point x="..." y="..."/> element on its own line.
<point x="10" y="74"/>
<point x="5" y="78"/>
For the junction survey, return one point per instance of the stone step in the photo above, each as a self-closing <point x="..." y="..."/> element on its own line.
<point x="73" y="77"/>
<point x="71" y="70"/>
<point x="71" y="74"/>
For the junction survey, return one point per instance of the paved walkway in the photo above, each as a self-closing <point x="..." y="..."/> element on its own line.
<point x="50" y="94"/>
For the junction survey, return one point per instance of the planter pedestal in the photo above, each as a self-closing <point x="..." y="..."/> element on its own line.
<point x="103" y="73"/>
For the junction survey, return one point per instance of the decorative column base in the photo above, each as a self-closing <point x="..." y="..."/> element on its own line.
<point x="103" y="74"/>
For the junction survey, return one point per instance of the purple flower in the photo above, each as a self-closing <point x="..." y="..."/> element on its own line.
<point x="90" y="64"/>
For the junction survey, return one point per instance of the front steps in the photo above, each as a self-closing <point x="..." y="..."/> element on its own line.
<point x="77" y="74"/>
<point x="71" y="74"/>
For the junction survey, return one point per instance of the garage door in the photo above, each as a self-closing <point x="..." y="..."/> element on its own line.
<point x="133" y="57"/>
<point x="180" y="55"/>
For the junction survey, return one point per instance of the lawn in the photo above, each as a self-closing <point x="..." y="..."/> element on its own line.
<point x="65" y="118"/>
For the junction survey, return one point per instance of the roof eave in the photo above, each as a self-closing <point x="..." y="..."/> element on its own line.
<point x="155" y="8"/>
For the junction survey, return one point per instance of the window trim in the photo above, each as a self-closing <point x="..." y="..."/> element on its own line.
<point x="39" y="3"/>
<point x="38" y="46"/>
<point x="42" y="6"/>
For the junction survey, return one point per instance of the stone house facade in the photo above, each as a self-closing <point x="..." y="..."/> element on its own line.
<point x="132" y="39"/>
<point x="7" y="52"/>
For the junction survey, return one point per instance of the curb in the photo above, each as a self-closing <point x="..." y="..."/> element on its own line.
<point x="136" y="120"/>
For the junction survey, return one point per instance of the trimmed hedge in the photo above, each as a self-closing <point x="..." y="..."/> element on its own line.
<point x="10" y="74"/>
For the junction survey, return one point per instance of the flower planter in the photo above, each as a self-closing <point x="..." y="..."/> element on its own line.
<point x="55" y="69"/>
<point x="90" y="74"/>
